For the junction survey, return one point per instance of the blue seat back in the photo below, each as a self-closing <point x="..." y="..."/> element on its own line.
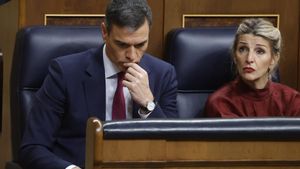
<point x="203" y="63"/>
<point x="34" y="48"/>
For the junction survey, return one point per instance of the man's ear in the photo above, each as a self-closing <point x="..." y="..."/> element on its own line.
<point x="104" y="31"/>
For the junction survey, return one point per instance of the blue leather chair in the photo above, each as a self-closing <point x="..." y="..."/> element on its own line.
<point x="203" y="63"/>
<point x="34" y="48"/>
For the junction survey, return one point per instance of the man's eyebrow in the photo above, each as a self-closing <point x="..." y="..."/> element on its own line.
<point x="145" y="41"/>
<point x="262" y="45"/>
<point x="241" y="42"/>
<point x="120" y="42"/>
<point x="124" y="43"/>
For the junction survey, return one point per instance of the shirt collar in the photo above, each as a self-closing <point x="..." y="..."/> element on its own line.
<point x="109" y="67"/>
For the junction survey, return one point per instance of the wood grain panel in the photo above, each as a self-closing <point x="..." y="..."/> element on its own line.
<point x="289" y="24"/>
<point x="172" y="153"/>
<point x="194" y="21"/>
<point x="79" y="20"/>
<point x="156" y="33"/>
<point x="1" y="86"/>
<point x="298" y="56"/>
<point x="167" y="154"/>
<point x="8" y="28"/>
<point x="36" y="16"/>
<point x="268" y="151"/>
<point x="144" y="150"/>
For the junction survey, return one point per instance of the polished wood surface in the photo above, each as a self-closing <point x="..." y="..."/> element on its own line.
<point x="74" y="20"/>
<point x="67" y="7"/>
<point x="8" y="28"/>
<point x="196" y="21"/>
<point x="183" y="153"/>
<point x="94" y="133"/>
<point x="1" y="87"/>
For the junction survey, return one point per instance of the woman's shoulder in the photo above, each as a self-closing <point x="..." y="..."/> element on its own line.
<point x="220" y="100"/>
<point x="223" y="92"/>
<point x="282" y="88"/>
<point x="283" y="91"/>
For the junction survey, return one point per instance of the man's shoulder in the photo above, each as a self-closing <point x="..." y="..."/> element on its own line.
<point x="151" y="60"/>
<point x="78" y="62"/>
<point x="79" y="56"/>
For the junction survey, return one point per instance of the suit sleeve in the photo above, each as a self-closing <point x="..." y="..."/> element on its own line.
<point x="166" y="99"/>
<point x="43" y="123"/>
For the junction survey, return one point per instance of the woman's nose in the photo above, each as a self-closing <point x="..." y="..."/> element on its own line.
<point x="250" y="57"/>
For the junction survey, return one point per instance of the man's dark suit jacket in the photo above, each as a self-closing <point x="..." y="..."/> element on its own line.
<point x="73" y="91"/>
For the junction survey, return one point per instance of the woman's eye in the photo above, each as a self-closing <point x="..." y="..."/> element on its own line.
<point x="242" y="49"/>
<point x="260" y="51"/>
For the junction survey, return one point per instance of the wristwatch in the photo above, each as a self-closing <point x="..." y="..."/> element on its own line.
<point x="150" y="106"/>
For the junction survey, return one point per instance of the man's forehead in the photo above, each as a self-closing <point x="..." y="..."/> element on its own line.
<point x="124" y="35"/>
<point x="131" y="43"/>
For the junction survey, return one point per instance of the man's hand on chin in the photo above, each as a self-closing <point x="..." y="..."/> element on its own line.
<point x="137" y="81"/>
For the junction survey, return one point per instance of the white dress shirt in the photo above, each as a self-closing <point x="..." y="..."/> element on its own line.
<point x="111" y="81"/>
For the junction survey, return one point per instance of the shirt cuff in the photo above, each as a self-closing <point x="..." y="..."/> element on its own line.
<point x="143" y="114"/>
<point x="71" y="166"/>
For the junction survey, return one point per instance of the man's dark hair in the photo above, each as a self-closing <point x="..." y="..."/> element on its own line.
<point x="127" y="13"/>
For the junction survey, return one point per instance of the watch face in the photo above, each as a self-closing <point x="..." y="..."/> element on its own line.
<point x="150" y="106"/>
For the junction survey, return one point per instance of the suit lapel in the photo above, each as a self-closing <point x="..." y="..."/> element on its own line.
<point x="94" y="86"/>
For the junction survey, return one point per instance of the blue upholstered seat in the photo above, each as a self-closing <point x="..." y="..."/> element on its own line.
<point x="34" y="48"/>
<point x="202" y="60"/>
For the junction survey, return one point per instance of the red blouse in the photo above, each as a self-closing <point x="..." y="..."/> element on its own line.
<point x="236" y="99"/>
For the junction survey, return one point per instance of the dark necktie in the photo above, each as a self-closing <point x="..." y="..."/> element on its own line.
<point x="118" y="107"/>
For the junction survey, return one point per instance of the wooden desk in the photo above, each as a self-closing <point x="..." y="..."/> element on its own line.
<point x="187" y="153"/>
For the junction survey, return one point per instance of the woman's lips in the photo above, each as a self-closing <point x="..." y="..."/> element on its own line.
<point x="248" y="69"/>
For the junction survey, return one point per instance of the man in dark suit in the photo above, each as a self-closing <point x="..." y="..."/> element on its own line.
<point x="85" y="84"/>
